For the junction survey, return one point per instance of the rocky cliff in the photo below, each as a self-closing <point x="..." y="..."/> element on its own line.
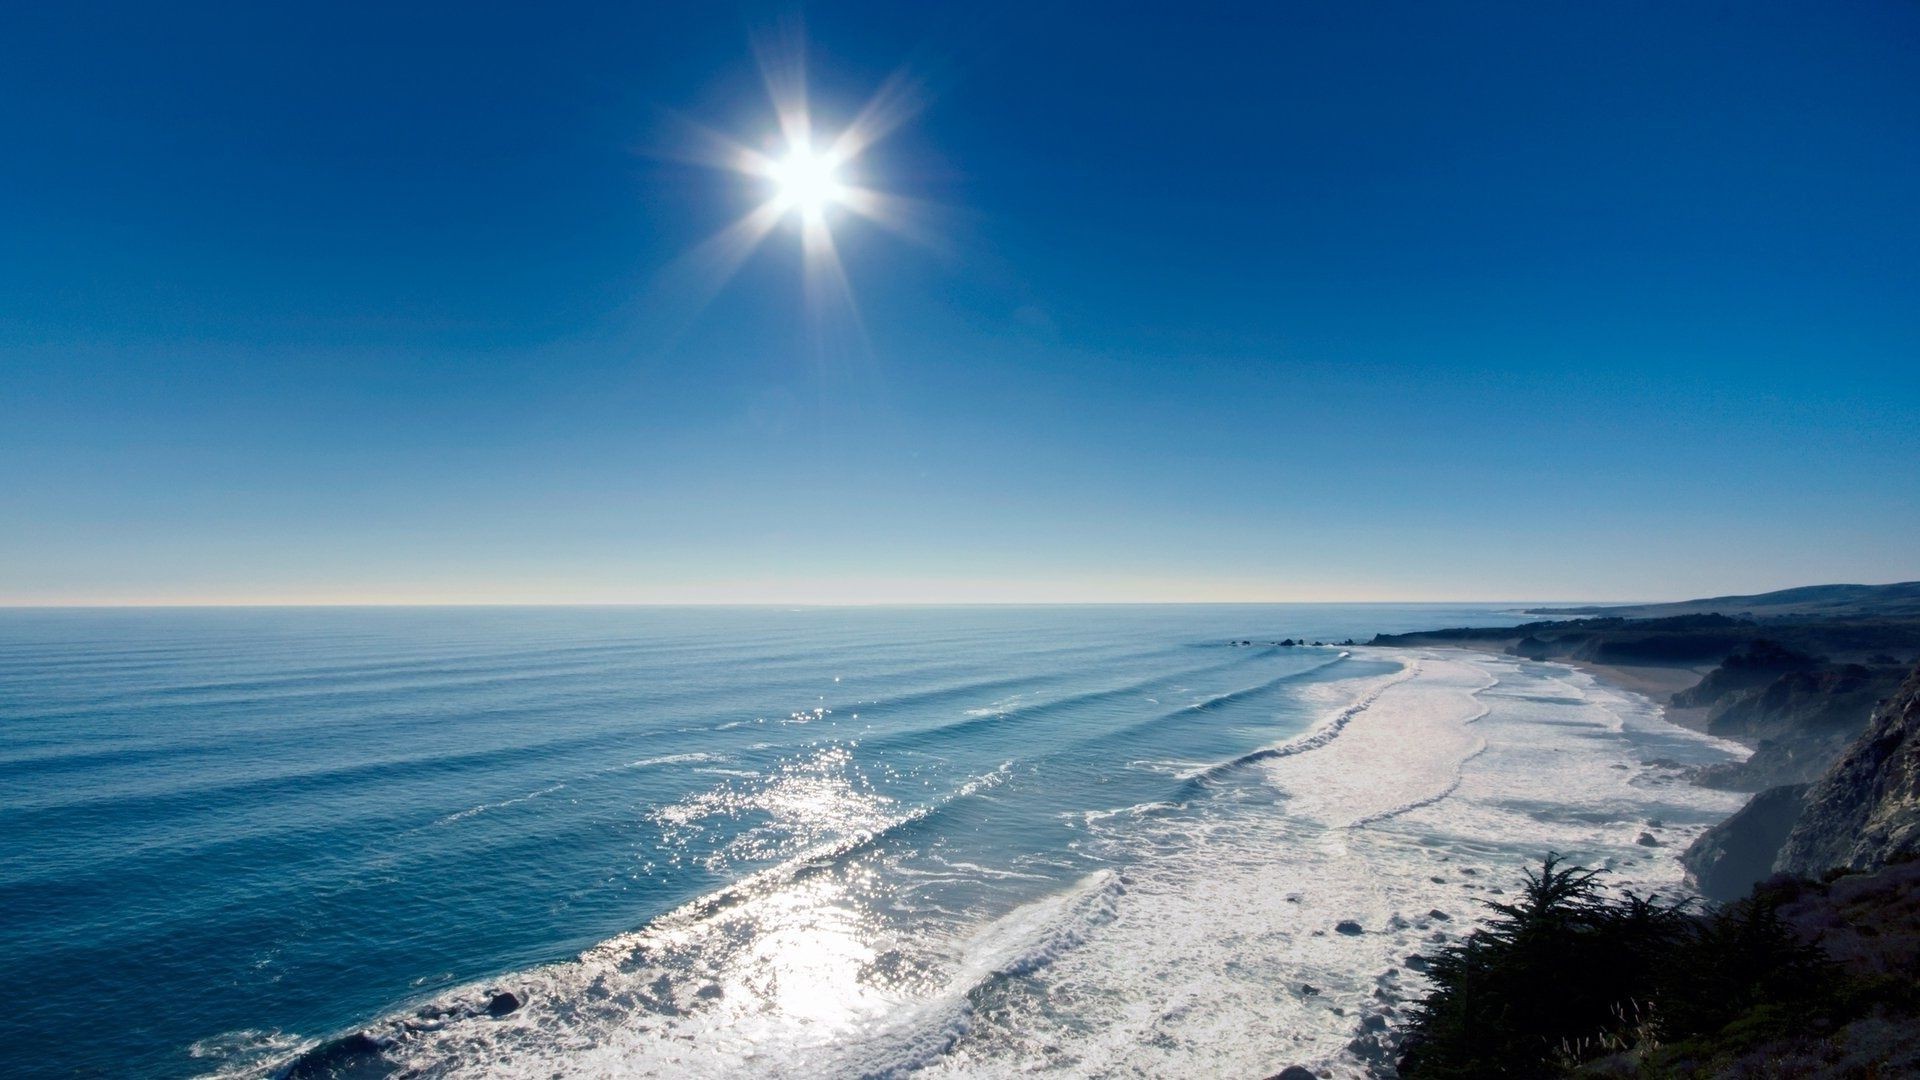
<point x="1727" y="859"/>
<point x="1799" y="722"/>
<point x="1865" y="811"/>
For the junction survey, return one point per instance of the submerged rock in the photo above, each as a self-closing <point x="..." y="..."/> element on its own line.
<point x="1294" y="1072"/>
<point x="502" y="1003"/>
<point x="1348" y="927"/>
<point x="350" y="1057"/>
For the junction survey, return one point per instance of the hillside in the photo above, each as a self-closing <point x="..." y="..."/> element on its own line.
<point x="1865" y="811"/>
<point x="1897" y="600"/>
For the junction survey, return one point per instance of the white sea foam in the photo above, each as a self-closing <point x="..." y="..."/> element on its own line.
<point x="1092" y="817"/>
<point x="470" y="811"/>
<point x="1429" y="797"/>
<point x="672" y="759"/>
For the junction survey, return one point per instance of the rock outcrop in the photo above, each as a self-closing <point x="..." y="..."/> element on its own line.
<point x="1727" y="859"/>
<point x="1865" y="811"/>
<point x="1750" y="667"/>
<point x="1800" y="722"/>
<point x="351" y="1057"/>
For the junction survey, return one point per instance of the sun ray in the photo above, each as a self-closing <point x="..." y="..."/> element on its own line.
<point x="694" y="143"/>
<point x="809" y="177"/>
<point x="904" y="217"/>
<point x="781" y="54"/>
<point x="688" y="284"/>
<point x="830" y="298"/>
<point x="896" y="102"/>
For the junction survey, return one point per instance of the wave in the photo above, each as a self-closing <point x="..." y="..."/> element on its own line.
<point x="822" y="856"/>
<point x="484" y="807"/>
<point x="1138" y="810"/>
<point x="1221" y="700"/>
<point x="1459" y="768"/>
<point x="673" y="759"/>
<point x="646" y="984"/>
<point x="975" y="718"/>
<point x="1453" y="785"/>
<point x="1216" y="702"/>
<point x="334" y="775"/>
<point x="1320" y="736"/>
<point x="348" y="682"/>
<point x="1015" y="946"/>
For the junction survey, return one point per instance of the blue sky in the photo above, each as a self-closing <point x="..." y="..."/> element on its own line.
<point x="1284" y="301"/>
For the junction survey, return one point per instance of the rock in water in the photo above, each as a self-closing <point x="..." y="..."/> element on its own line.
<point x="1348" y="927"/>
<point x="502" y="1003"/>
<point x="1294" y="1072"/>
<point x="351" y="1057"/>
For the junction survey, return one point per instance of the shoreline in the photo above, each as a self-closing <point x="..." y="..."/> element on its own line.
<point x="1655" y="682"/>
<point x="1590" y="773"/>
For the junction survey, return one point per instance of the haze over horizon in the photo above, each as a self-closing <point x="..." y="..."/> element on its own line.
<point x="369" y="306"/>
<point x="706" y="596"/>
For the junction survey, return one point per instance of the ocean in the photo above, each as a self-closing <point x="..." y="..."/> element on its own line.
<point x="1104" y="840"/>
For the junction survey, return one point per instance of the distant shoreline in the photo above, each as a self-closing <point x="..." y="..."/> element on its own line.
<point x="1656" y="682"/>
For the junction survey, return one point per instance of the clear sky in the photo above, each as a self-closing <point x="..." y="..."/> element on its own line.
<point x="375" y="302"/>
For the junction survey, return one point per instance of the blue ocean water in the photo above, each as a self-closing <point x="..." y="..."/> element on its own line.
<point x="227" y="834"/>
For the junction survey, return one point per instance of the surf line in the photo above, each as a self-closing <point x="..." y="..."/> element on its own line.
<point x="1459" y="768"/>
<point x="1313" y="740"/>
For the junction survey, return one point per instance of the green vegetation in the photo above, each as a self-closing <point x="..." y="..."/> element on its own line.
<point x="1573" y="981"/>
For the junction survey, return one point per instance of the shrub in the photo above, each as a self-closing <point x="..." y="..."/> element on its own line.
<point x="1569" y="976"/>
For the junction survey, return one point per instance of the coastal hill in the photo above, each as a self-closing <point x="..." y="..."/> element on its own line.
<point x="1900" y="599"/>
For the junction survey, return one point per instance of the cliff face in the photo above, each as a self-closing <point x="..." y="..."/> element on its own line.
<point x="1800" y="722"/>
<point x="1750" y="667"/>
<point x="1866" y="809"/>
<point x="1727" y="859"/>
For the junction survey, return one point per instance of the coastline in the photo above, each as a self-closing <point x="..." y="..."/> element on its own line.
<point x="1513" y="759"/>
<point x="1655" y="682"/>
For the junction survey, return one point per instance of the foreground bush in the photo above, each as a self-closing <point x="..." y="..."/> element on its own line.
<point x="1571" y="980"/>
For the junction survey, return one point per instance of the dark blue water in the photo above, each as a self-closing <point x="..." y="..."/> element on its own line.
<point x="227" y="833"/>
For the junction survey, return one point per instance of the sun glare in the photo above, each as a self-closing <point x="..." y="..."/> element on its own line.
<point x="819" y="179"/>
<point x="806" y="181"/>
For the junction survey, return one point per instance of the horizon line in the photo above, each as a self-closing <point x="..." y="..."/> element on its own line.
<point x="85" y="605"/>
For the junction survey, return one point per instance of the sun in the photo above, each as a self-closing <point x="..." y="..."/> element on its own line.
<point x="805" y="181"/>
<point x="816" y="179"/>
